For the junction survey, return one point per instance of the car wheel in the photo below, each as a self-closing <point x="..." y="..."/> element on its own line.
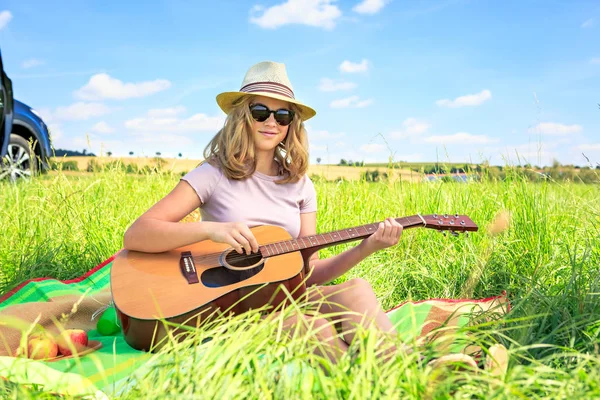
<point x="19" y="162"/>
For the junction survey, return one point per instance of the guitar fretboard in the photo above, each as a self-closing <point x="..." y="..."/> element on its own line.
<point x="332" y="238"/>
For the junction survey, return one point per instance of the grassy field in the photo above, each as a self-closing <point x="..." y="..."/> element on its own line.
<point x="180" y="165"/>
<point x="548" y="261"/>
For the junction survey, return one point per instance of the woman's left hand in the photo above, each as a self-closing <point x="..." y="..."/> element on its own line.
<point x="388" y="234"/>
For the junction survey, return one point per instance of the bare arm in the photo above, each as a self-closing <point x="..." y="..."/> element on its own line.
<point x="158" y="229"/>
<point x="327" y="269"/>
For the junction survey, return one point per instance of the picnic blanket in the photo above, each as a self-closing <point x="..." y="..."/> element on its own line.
<point x="114" y="368"/>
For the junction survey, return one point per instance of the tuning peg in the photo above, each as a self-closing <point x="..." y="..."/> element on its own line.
<point x="443" y="233"/>
<point x="453" y="233"/>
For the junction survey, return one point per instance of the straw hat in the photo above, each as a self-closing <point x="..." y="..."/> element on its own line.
<point x="267" y="79"/>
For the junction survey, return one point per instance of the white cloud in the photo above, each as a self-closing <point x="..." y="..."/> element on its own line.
<point x="329" y="85"/>
<point x="364" y="103"/>
<point x="5" y="17"/>
<point x="166" y="112"/>
<point x="460" y="138"/>
<point x="373" y="148"/>
<point x="369" y="6"/>
<point x="350" y="67"/>
<point x="93" y="144"/>
<point x="409" y="157"/>
<point x="32" y="62"/>
<point x="317" y="147"/>
<point x="102" y="127"/>
<point x="79" y="111"/>
<point x="467" y="100"/>
<point x="552" y="128"/>
<point x="595" y="60"/>
<point x="102" y="86"/>
<point x="319" y="13"/>
<point x="588" y="23"/>
<point x="352" y="101"/>
<point x="154" y="122"/>
<point x="181" y="141"/>
<point x="323" y="135"/>
<point x="524" y="153"/>
<point x="411" y="127"/>
<point x="56" y="132"/>
<point x="589" y="146"/>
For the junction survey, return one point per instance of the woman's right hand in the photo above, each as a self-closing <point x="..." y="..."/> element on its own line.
<point x="235" y="234"/>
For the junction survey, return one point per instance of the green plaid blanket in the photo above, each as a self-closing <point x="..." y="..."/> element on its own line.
<point x="113" y="368"/>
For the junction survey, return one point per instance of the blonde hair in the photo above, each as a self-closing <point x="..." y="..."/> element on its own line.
<point x="232" y="148"/>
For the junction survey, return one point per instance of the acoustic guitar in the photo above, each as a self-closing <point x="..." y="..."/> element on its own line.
<point x="188" y="284"/>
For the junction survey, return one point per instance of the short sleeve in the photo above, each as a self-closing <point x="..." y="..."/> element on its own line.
<point x="308" y="201"/>
<point x="203" y="179"/>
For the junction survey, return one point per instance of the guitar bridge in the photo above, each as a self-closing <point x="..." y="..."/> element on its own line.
<point x="188" y="268"/>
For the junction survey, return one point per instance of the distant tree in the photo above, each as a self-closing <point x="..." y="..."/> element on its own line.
<point x="84" y="151"/>
<point x="158" y="153"/>
<point x="131" y="153"/>
<point x="343" y="162"/>
<point x="109" y="153"/>
<point x="70" y="153"/>
<point x="180" y="155"/>
<point x="318" y="160"/>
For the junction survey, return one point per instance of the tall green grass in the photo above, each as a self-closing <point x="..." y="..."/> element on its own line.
<point x="548" y="262"/>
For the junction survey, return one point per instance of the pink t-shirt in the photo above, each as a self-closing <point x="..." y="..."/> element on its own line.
<point x="257" y="200"/>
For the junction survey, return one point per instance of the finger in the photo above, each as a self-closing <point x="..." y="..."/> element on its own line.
<point x="233" y="243"/>
<point x="379" y="231"/>
<point x="397" y="230"/>
<point x="249" y="236"/>
<point x="242" y="241"/>
<point x="388" y="229"/>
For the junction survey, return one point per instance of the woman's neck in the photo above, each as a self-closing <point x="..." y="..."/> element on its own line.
<point x="265" y="163"/>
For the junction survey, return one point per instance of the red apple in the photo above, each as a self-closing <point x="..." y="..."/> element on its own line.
<point x="40" y="347"/>
<point x="72" y="340"/>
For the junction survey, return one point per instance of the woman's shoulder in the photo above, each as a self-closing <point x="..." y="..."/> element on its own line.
<point x="209" y="167"/>
<point x="206" y="170"/>
<point x="306" y="185"/>
<point x="204" y="179"/>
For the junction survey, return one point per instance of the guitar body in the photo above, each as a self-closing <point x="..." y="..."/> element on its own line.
<point x="149" y="287"/>
<point x="193" y="283"/>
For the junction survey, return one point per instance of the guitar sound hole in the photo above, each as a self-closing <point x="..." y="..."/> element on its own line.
<point x="237" y="260"/>
<point x="221" y="276"/>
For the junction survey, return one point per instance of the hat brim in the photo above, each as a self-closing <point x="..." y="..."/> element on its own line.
<point x="226" y="100"/>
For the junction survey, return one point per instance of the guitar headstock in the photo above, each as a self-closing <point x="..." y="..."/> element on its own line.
<point x="447" y="222"/>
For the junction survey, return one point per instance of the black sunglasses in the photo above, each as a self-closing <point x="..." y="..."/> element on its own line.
<point x="261" y="113"/>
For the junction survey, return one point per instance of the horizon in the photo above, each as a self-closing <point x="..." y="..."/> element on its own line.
<point x="453" y="81"/>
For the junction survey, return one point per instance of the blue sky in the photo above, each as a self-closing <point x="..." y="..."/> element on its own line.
<point x="454" y="80"/>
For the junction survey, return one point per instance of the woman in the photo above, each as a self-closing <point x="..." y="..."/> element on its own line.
<point x="261" y="156"/>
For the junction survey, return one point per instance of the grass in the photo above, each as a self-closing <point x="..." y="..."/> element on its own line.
<point x="548" y="261"/>
<point x="183" y="165"/>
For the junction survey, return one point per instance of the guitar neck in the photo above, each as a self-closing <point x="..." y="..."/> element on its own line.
<point x="316" y="242"/>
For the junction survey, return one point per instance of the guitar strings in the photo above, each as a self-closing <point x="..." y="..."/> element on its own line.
<point x="240" y="257"/>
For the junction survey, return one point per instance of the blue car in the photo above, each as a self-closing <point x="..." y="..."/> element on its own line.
<point x="24" y="137"/>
